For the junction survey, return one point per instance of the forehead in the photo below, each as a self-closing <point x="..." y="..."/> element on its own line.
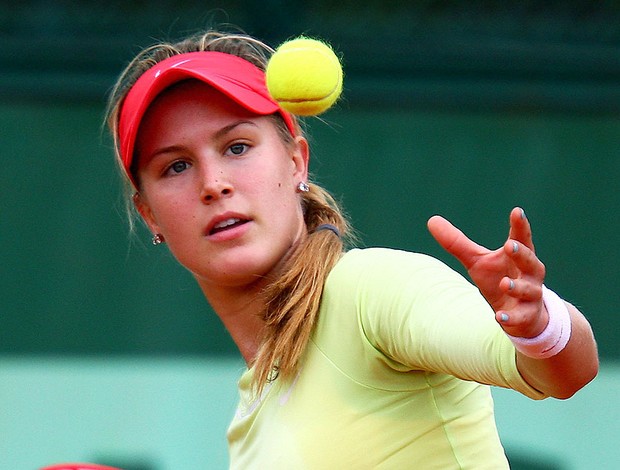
<point x="192" y="108"/>
<point x="195" y="94"/>
<point x="189" y="104"/>
<point x="181" y="111"/>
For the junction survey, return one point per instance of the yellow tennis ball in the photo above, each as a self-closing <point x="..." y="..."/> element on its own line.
<point x="304" y="76"/>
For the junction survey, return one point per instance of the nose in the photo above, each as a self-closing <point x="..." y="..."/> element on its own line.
<point x="214" y="186"/>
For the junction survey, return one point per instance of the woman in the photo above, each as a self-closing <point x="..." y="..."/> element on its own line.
<point x="371" y="358"/>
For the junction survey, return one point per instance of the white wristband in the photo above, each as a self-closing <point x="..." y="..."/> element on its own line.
<point x="556" y="334"/>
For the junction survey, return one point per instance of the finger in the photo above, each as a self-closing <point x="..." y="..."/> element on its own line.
<point x="454" y="241"/>
<point x="520" y="228"/>
<point x="526" y="321"/>
<point x="521" y="314"/>
<point x="521" y="289"/>
<point x="519" y="322"/>
<point x="525" y="260"/>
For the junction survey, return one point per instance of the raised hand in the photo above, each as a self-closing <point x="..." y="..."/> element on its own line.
<point x="510" y="277"/>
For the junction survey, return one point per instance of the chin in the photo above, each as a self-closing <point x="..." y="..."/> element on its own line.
<point x="239" y="272"/>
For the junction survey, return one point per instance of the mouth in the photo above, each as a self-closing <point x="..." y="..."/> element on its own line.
<point x="227" y="224"/>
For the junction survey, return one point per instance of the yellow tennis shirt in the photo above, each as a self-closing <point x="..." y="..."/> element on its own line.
<point x="394" y="377"/>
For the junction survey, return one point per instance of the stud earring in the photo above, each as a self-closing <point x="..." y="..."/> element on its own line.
<point x="303" y="187"/>
<point x="158" y="239"/>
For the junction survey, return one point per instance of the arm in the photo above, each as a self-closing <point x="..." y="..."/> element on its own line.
<point x="510" y="278"/>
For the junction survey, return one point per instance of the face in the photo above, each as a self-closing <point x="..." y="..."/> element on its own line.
<point x="219" y="184"/>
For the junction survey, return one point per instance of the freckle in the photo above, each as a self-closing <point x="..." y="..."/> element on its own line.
<point x="279" y="185"/>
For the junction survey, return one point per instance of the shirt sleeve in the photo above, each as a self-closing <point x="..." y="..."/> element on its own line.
<point x="422" y="315"/>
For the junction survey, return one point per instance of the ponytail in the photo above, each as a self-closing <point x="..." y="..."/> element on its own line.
<point x="292" y="301"/>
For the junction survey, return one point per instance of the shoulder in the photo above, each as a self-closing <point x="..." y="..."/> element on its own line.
<point x="391" y="266"/>
<point x="384" y="257"/>
<point x="385" y="285"/>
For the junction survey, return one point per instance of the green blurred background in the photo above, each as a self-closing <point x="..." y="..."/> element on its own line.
<point x="109" y="352"/>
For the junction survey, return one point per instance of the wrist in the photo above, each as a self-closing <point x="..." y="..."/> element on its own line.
<point x="556" y="334"/>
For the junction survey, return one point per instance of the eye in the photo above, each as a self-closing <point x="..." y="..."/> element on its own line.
<point x="238" y="149"/>
<point x="177" y="167"/>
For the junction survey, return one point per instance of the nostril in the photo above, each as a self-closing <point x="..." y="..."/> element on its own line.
<point x="212" y="194"/>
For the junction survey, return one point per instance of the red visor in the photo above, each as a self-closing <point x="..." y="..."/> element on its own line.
<point x="237" y="78"/>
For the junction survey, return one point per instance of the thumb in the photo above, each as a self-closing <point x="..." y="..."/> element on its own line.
<point x="453" y="240"/>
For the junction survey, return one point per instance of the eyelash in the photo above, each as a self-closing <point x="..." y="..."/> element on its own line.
<point x="170" y="169"/>
<point x="242" y="147"/>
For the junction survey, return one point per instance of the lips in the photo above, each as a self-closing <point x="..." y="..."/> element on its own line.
<point x="225" y="223"/>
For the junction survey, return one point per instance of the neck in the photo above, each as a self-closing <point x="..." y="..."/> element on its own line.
<point x="239" y="310"/>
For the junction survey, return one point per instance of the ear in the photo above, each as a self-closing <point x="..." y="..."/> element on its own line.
<point x="145" y="211"/>
<point x="301" y="158"/>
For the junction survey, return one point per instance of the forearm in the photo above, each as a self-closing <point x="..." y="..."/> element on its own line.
<point x="562" y="375"/>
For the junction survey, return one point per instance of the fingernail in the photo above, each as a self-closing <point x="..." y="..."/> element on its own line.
<point x="512" y="285"/>
<point x="515" y="247"/>
<point x="504" y="317"/>
<point x="522" y="214"/>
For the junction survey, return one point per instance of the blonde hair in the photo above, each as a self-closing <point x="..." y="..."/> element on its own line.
<point x="291" y="302"/>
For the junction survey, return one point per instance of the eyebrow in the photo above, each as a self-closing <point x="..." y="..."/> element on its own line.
<point x="226" y="129"/>
<point x="220" y="133"/>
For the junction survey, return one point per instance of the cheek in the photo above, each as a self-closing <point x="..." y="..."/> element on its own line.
<point x="276" y="182"/>
<point x="168" y="212"/>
